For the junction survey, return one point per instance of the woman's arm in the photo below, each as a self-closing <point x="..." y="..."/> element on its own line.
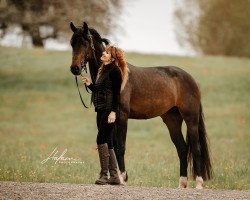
<point x="86" y="82"/>
<point x="91" y="87"/>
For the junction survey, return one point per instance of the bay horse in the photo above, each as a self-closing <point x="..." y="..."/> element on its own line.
<point x="168" y="92"/>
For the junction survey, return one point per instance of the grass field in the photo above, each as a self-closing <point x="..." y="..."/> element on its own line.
<point x="40" y="110"/>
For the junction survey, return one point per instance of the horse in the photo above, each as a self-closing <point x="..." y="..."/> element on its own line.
<point x="165" y="91"/>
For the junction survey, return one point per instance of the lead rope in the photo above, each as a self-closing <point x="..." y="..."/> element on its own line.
<point x="80" y="92"/>
<point x="84" y="68"/>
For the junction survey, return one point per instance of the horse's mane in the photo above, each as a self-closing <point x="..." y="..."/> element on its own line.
<point x="95" y="34"/>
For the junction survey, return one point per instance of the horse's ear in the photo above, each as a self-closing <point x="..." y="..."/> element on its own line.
<point x="85" y="27"/>
<point x="106" y="41"/>
<point x="72" y="26"/>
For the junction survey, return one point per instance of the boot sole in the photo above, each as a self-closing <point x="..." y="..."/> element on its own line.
<point x="114" y="183"/>
<point x="101" y="183"/>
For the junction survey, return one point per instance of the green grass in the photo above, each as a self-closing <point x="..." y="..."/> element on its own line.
<point x="40" y="110"/>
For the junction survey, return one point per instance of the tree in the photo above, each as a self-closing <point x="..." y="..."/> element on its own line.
<point x="215" y="27"/>
<point x="31" y="15"/>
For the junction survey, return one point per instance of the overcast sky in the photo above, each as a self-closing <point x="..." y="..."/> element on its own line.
<point x="148" y="27"/>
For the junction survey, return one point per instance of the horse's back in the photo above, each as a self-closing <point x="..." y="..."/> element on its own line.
<point x="152" y="91"/>
<point x="169" y="73"/>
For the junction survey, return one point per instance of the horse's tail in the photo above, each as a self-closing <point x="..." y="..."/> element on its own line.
<point x="206" y="165"/>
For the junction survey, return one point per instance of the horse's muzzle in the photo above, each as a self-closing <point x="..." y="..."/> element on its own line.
<point x="75" y="70"/>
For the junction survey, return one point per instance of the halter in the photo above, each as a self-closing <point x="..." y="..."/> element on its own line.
<point x="84" y="67"/>
<point x="84" y="63"/>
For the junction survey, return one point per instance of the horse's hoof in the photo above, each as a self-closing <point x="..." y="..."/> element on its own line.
<point x="121" y="177"/>
<point x="199" y="182"/>
<point x="124" y="176"/>
<point x="183" y="182"/>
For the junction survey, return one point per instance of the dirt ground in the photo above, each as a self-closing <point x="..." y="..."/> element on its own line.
<point x="37" y="191"/>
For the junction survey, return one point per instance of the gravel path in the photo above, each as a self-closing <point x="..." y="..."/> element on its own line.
<point x="37" y="191"/>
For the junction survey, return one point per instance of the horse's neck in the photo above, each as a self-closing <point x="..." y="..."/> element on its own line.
<point x="95" y="63"/>
<point x="93" y="69"/>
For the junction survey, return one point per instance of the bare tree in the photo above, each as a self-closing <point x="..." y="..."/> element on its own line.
<point x="217" y="27"/>
<point x="31" y="15"/>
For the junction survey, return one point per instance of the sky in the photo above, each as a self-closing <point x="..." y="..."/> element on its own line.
<point x="149" y="27"/>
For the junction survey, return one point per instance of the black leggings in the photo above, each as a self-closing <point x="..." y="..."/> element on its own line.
<point x="105" y="130"/>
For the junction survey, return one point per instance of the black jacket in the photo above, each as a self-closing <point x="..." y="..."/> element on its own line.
<point x="106" y="90"/>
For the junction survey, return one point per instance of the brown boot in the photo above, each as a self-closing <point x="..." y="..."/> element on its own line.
<point x="104" y="161"/>
<point x="113" y="169"/>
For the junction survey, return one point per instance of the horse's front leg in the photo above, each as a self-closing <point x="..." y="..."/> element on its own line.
<point x="120" y="144"/>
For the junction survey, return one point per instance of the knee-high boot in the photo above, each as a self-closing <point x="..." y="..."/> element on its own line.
<point x="104" y="161"/>
<point x="113" y="169"/>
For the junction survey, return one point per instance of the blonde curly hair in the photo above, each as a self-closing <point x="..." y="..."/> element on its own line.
<point x="120" y="61"/>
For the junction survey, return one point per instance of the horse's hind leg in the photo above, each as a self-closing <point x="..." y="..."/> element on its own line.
<point x="191" y="118"/>
<point x="173" y="120"/>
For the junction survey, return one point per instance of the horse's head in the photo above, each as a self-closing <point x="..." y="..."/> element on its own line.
<point x="81" y="42"/>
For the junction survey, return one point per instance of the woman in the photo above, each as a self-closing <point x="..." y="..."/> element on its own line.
<point x="110" y="81"/>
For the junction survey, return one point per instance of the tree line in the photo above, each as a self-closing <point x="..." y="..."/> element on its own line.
<point x="214" y="27"/>
<point x="31" y="15"/>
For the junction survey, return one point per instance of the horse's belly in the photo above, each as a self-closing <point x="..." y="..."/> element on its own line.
<point x="146" y="108"/>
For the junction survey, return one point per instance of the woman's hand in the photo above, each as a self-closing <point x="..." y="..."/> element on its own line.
<point x="86" y="80"/>
<point x="111" y="117"/>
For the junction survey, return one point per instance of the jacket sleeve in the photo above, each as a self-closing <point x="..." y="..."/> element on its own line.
<point x="91" y="87"/>
<point x="116" y="78"/>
